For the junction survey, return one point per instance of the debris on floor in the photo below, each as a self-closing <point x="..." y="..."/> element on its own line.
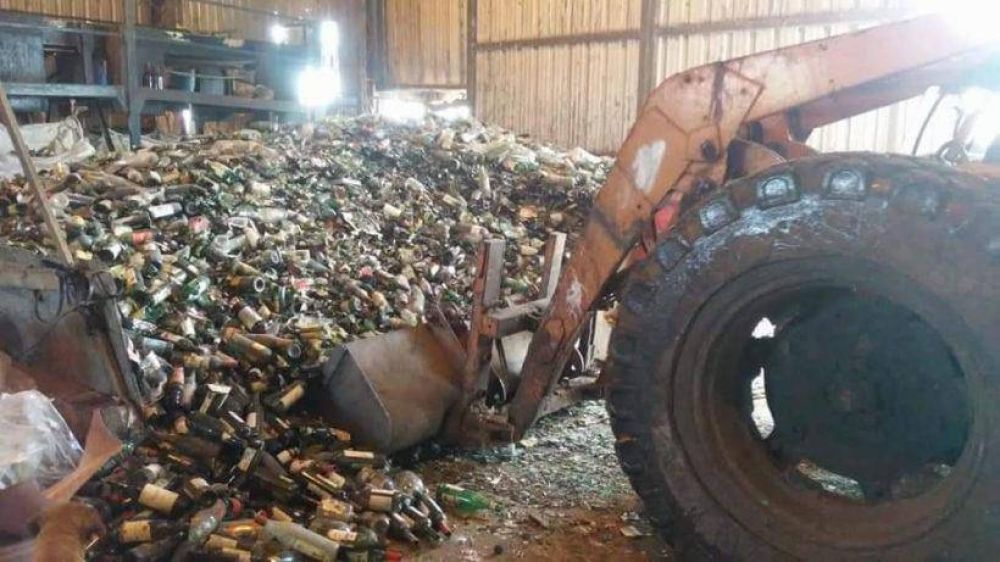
<point x="563" y="498"/>
<point x="238" y="264"/>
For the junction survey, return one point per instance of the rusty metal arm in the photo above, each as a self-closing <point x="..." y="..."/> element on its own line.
<point x="681" y="137"/>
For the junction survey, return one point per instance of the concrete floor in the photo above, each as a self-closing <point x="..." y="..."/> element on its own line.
<point x="560" y="495"/>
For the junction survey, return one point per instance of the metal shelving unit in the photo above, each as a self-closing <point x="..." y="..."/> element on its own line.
<point x="141" y="45"/>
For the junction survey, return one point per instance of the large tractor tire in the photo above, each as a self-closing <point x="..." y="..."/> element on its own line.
<point x="808" y="367"/>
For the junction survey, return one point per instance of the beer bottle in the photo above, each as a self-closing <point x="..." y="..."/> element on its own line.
<point x="376" y="499"/>
<point x="282" y="400"/>
<point x="360" y="538"/>
<point x="155" y="497"/>
<point x="249" y="317"/>
<point x="378" y="522"/>
<point x="255" y="415"/>
<point x="332" y="508"/>
<point x="410" y="484"/>
<point x="465" y="502"/>
<point x="300" y="539"/>
<point x="190" y="445"/>
<point x="250" y="284"/>
<point x="173" y="391"/>
<point x="401" y="528"/>
<point x="153" y="551"/>
<point x="206" y="521"/>
<point x="355" y="459"/>
<point x="146" y="530"/>
<point x="245" y="347"/>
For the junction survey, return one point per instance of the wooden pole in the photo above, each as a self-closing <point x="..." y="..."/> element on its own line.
<point x="8" y="118"/>
<point x="647" y="51"/>
<point x="471" y="39"/>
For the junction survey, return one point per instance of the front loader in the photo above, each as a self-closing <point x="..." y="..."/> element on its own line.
<point x="805" y="360"/>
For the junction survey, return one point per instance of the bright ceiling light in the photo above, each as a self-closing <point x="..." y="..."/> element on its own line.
<point x="279" y="34"/>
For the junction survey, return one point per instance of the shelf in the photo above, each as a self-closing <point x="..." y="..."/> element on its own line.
<point x="23" y="89"/>
<point x="211" y="100"/>
<point x="179" y="43"/>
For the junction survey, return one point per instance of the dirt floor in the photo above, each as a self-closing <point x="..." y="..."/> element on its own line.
<point x="559" y="495"/>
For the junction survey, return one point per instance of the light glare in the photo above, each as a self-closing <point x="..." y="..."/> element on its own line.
<point x="279" y="34"/>
<point x="318" y="86"/>
<point x="402" y="110"/>
<point x="329" y="38"/>
<point x="454" y="113"/>
<point x="977" y="18"/>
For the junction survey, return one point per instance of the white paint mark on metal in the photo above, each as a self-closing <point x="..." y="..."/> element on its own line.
<point x="574" y="296"/>
<point x="646" y="164"/>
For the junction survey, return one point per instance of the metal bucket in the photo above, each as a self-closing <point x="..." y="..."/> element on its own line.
<point x="391" y="391"/>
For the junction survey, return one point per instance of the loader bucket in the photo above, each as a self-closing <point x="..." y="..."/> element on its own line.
<point x="390" y="391"/>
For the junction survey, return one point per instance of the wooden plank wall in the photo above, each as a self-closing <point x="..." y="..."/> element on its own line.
<point x="425" y="43"/>
<point x="94" y="10"/>
<point x="539" y="71"/>
<point x="698" y="32"/>
<point x="568" y="71"/>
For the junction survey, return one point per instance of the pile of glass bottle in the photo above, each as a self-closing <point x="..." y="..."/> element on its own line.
<point x="238" y="263"/>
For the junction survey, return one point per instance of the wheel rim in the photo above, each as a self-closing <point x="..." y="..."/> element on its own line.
<point x="843" y="465"/>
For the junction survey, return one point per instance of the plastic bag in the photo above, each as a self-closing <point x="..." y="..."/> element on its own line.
<point x="35" y="441"/>
<point x="63" y="142"/>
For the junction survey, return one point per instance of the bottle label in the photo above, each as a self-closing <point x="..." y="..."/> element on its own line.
<point x="293" y="395"/>
<point x="334" y="509"/>
<point x="155" y="497"/>
<point x="342" y="536"/>
<point x="248" y="455"/>
<point x="314" y="550"/>
<point x="252" y="420"/>
<point x="337" y="480"/>
<point x="285" y="456"/>
<point x="379" y="501"/>
<point x="135" y="531"/>
<point x="359" y="455"/>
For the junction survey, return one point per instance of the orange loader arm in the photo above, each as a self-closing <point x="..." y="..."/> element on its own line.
<point x="682" y="140"/>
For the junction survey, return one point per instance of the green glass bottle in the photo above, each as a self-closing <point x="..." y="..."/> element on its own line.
<point x="462" y="501"/>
